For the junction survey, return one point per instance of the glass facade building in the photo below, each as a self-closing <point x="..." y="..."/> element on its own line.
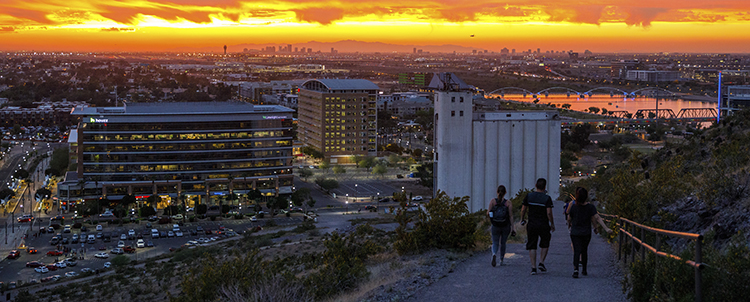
<point x="206" y="149"/>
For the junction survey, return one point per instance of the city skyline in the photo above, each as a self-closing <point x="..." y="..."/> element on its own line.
<point x="154" y="25"/>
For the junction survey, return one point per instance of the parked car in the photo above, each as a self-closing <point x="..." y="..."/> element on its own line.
<point x="71" y="274"/>
<point x="170" y="234"/>
<point x="14" y="254"/>
<point x="71" y="262"/>
<point x="121" y="243"/>
<point x="66" y="229"/>
<point x="177" y="217"/>
<point x="150" y="244"/>
<point x="41" y="270"/>
<point x="117" y="251"/>
<point x="101" y="255"/>
<point x="417" y="198"/>
<point x="178" y="233"/>
<point x="34" y="264"/>
<point x="86" y="270"/>
<point x="54" y="253"/>
<point x="193" y="232"/>
<point x="61" y="264"/>
<point x="129" y="249"/>
<point x="99" y="227"/>
<point x="51" y="267"/>
<point x="140" y="243"/>
<point x="123" y="237"/>
<point x="107" y="264"/>
<point x="131" y="232"/>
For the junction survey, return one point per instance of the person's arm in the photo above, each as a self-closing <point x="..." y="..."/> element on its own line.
<point x="598" y="219"/>
<point x="551" y="219"/>
<point x="568" y="218"/>
<point x="510" y="213"/>
<point x="492" y="204"/>
<point x="523" y="214"/>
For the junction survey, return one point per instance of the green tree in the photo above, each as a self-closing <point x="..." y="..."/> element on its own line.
<point x="305" y="173"/>
<point x="327" y="184"/>
<point x="325" y="165"/>
<point x="120" y="261"/>
<point x="311" y="203"/>
<point x="42" y="193"/>
<point x="201" y="209"/>
<point x="59" y="162"/>
<point x="146" y="211"/>
<point x="299" y="196"/>
<point x="339" y="169"/>
<point x="380" y="169"/>
<point x="424" y="172"/>
<point x="366" y="162"/>
<point x="21" y="174"/>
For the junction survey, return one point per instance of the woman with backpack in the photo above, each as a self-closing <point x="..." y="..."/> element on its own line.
<point x="501" y="217"/>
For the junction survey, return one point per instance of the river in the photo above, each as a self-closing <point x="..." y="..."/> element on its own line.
<point x="614" y="103"/>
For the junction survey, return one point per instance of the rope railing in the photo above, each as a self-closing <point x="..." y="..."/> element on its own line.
<point x="627" y="231"/>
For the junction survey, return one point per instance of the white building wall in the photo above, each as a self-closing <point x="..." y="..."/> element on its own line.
<point x="513" y="151"/>
<point x="453" y="142"/>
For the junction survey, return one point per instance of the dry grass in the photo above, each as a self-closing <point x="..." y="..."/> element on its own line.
<point x="384" y="268"/>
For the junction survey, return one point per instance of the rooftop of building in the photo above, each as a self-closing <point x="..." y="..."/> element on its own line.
<point x="340" y="84"/>
<point x="182" y="108"/>
<point x="448" y="81"/>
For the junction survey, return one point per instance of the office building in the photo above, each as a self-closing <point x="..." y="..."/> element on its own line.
<point x="477" y="151"/>
<point x="202" y="150"/>
<point x="338" y="117"/>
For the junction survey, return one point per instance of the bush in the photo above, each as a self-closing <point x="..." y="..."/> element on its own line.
<point x="446" y="223"/>
<point x="201" y="209"/>
<point x="271" y="223"/>
<point x="120" y="260"/>
<point x="192" y="218"/>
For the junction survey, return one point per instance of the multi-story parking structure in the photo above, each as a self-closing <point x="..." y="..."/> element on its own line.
<point x="208" y="150"/>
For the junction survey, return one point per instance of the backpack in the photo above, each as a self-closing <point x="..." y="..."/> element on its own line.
<point x="500" y="217"/>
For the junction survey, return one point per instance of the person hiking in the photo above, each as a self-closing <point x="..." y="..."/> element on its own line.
<point x="501" y="217"/>
<point x="540" y="225"/>
<point x="581" y="216"/>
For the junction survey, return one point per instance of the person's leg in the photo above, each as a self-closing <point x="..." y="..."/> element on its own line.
<point x="585" y="240"/>
<point x="531" y="245"/>
<point x="495" y="238"/>
<point x="504" y="232"/>
<point x="495" y="232"/>
<point x="576" y="240"/>
<point x="545" y="237"/>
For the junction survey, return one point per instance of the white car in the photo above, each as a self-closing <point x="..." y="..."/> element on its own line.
<point x="61" y="264"/>
<point x="123" y="237"/>
<point x="417" y="198"/>
<point x="170" y="234"/>
<point x="254" y="219"/>
<point x="107" y="264"/>
<point x="41" y="270"/>
<point x="140" y="243"/>
<point x="102" y="255"/>
<point x="117" y="251"/>
<point x="120" y="244"/>
<point x="178" y="233"/>
<point x="98" y="227"/>
<point x="131" y="233"/>
<point x="86" y="270"/>
<point x="71" y="274"/>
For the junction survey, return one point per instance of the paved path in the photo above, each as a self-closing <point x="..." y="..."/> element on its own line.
<point x="476" y="280"/>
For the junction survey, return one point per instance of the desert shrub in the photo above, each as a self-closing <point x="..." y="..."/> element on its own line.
<point x="445" y="223"/>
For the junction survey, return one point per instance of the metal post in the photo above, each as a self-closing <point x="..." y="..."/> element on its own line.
<point x="658" y="244"/>
<point x="619" y="246"/>
<point x="698" y="261"/>
<point x="643" y="248"/>
<point x="632" y="244"/>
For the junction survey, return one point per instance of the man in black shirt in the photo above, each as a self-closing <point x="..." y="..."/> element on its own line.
<point x="541" y="223"/>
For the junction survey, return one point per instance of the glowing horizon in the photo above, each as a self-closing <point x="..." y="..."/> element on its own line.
<point x="161" y="25"/>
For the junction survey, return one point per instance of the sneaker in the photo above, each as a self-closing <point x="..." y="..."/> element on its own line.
<point x="494" y="262"/>
<point x="575" y="274"/>
<point x="502" y="263"/>
<point x="584" y="272"/>
<point x="542" y="268"/>
<point x="533" y="271"/>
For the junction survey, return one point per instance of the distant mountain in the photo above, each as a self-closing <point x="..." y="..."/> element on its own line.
<point x="344" y="46"/>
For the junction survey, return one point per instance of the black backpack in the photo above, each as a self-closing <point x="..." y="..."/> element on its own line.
<point x="500" y="217"/>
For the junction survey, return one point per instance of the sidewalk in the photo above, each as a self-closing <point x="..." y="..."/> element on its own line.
<point x="476" y="280"/>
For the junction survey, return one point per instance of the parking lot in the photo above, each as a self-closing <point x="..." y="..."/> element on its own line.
<point x="364" y="191"/>
<point x="16" y="270"/>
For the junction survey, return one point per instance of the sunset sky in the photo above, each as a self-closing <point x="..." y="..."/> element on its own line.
<point x="162" y="25"/>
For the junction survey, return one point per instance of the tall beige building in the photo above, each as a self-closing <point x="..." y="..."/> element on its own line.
<point x="338" y="117"/>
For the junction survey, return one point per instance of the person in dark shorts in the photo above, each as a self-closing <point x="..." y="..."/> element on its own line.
<point x="540" y="225"/>
<point x="581" y="216"/>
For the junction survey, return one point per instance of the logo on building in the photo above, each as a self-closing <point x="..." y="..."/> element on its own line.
<point x="98" y="120"/>
<point x="273" y="117"/>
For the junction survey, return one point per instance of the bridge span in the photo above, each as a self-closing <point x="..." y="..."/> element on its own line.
<point x="612" y="91"/>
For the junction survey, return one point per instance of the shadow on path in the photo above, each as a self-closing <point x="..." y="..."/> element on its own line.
<point x="476" y="280"/>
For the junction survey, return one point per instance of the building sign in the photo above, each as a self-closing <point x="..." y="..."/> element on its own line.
<point x="98" y="120"/>
<point x="273" y="117"/>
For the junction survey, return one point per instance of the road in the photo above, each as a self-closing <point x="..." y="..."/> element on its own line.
<point x="476" y="280"/>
